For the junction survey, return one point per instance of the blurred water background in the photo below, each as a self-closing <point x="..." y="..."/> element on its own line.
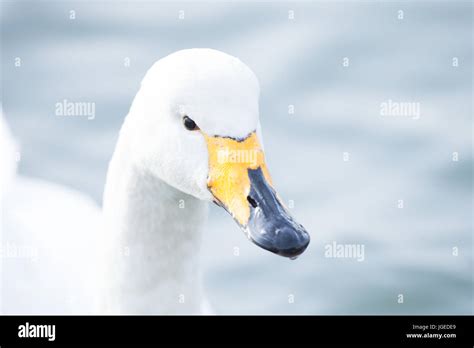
<point x="337" y="110"/>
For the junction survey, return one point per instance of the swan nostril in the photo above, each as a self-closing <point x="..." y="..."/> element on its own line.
<point x="252" y="202"/>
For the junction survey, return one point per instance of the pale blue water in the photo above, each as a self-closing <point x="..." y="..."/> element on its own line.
<point x="299" y="62"/>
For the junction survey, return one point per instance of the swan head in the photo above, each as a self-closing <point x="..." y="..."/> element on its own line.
<point x="196" y="126"/>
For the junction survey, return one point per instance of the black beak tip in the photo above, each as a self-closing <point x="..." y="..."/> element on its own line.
<point x="291" y="243"/>
<point x="287" y="241"/>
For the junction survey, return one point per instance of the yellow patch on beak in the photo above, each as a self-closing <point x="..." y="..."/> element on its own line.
<point x="228" y="179"/>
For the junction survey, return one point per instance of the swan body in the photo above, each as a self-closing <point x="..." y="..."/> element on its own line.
<point x="192" y="136"/>
<point x="47" y="243"/>
<point x="8" y="151"/>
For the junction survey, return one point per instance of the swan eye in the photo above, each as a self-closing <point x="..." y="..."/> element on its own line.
<point x="189" y="124"/>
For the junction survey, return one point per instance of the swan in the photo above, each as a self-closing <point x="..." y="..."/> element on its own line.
<point x="192" y="136"/>
<point x="48" y="234"/>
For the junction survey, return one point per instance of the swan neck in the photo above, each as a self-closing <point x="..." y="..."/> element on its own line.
<point x="153" y="237"/>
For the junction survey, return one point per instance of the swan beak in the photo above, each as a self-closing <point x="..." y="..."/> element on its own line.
<point x="240" y="183"/>
<point x="270" y="226"/>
